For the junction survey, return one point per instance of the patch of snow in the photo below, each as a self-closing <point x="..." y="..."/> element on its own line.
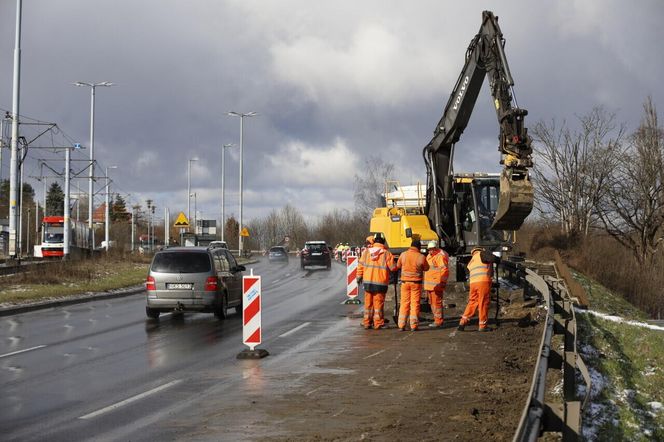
<point x="619" y="319"/>
<point x="655" y="406"/>
<point x="650" y="371"/>
<point x="626" y="395"/>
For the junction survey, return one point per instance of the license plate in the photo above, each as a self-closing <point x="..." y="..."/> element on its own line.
<point x="317" y="254"/>
<point x="179" y="286"/>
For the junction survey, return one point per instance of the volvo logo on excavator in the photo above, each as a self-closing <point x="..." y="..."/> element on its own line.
<point x="462" y="91"/>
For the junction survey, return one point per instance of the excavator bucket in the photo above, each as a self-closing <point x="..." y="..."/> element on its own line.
<point x="516" y="200"/>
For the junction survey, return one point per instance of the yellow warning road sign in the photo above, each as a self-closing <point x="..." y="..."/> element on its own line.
<point x="181" y="221"/>
<point x="244" y="232"/>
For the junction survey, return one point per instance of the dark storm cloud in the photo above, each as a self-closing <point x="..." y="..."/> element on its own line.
<point x="333" y="83"/>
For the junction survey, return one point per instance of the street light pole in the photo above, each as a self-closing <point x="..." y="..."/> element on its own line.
<point x="91" y="172"/>
<point x="223" y="179"/>
<point x="13" y="165"/>
<point x="107" y="217"/>
<point x="195" y="214"/>
<point x="189" y="188"/>
<point x="241" y="115"/>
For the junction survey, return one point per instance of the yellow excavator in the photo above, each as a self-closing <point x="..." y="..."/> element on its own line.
<point x="476" y="209"/>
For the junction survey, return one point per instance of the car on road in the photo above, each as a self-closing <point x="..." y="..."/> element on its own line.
<point x="199" y="279"/>
<point x="277" y="254"/>
<point x="215" y="244"/>
<point x="316" y="253"/>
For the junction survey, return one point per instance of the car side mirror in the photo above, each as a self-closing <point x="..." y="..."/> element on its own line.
<point x="240" y="268"/>
<point x="409" y="232"/>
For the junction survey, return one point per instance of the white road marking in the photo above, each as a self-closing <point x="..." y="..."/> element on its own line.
<point x="130" y="400"/>
<point x="294" y="330"/>
<point x="21" y="351"/>
<point x="339" y="412"/>
<point x="313" y="391"/>
<point x="374" y="354"/>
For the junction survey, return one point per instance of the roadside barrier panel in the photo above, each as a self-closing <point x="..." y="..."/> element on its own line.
<point x="251" y="318"/>
<point x="352" y="289"/>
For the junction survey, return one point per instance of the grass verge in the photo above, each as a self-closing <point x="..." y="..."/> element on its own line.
<point x="72" y="278"/>
<point x="626" y="362"/>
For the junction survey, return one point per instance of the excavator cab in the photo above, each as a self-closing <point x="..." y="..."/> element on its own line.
<point x="478" y="197"/>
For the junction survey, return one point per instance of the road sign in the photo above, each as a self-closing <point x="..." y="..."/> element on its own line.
<point x="251" y="313"/>
<point x="181" y="221"/>
<point x="244" y="232"/>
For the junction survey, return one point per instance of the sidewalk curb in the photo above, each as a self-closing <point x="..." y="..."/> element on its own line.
<point x="74" y="299"/>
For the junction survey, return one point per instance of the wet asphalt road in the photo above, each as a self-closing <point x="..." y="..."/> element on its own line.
<point x="101" y="370"/>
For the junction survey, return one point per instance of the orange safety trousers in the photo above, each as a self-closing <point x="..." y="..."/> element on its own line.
<point x="436" y="302"/>
<point x="478" y="299"/>
<point x="410" y="303"/>
<point x="374" y="304"/>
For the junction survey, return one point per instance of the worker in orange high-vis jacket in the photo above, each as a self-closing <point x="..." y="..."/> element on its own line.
<point x="480" y="270"/>
<point x="368" y="242"/>
<point x="413" y="265"/>
<point x="435" y="280"/>
<point x="373" y="271"/>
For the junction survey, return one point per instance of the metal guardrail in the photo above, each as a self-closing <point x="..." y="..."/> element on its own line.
<point x="539" y="415"/>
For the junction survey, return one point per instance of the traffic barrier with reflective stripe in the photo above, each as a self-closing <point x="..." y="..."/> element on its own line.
<point x="352" y="289"/>
<point x="251" y="312"/>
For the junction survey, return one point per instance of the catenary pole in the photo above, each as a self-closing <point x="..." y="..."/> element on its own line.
<point x="13" y="167"/>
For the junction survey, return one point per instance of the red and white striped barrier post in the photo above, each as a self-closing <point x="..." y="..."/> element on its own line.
<point x="352" y="290"/>
<point x="251" y="317"/>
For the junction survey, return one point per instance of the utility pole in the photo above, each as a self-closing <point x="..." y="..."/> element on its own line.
<point x="66" y="232"/>
<point x="13" y="168"/>
<point x="149" y="204"/>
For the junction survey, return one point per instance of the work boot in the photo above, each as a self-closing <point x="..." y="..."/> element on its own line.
<point x="402" y="328"/>
<point x="485" y="329"/>
<point x="461" y="327"/>
<point x="380" y="327"/>
<point x="434" y="325"/>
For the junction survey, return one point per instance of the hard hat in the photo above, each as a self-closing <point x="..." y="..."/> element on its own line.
<point x="477" y="249"/>
<point x="432" y="245"/>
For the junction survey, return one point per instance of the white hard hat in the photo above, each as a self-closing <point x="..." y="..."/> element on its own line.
<point x="432" y="245"/>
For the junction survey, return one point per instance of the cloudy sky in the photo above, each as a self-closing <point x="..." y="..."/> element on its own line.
<point x="332" y="82"/>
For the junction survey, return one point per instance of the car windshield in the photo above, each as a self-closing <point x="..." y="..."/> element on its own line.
<point x="316" y="248"/>
<point x="277" y="250"/>
<point x="181" y="262"/>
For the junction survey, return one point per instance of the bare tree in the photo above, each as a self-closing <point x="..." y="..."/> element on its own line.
<point x="634" y="207"/>
<point x="370" y="184"/>
<point x="573" y="168"/>
<point x="341" y="226"/>
<point x="294" y="226"/>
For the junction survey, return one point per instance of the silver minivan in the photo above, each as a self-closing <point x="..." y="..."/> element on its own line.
<point x="198" y="279"/>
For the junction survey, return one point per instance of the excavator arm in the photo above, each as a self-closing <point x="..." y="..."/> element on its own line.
<point x="485" y="58"/>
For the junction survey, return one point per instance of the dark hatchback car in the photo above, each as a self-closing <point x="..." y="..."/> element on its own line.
<point x="316" y="253"/>
<point x="195" y="279"/>
<point x="277" y="254"/>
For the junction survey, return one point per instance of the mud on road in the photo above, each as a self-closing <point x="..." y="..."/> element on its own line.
<point x="433" y="384"/>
